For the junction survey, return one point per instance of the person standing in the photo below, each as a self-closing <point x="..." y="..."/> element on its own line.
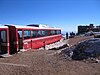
<point x="66" y="35"/>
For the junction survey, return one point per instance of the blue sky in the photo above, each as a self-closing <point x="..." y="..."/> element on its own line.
<point x="66" y="14"/>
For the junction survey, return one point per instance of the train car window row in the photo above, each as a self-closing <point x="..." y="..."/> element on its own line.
<point x="38" y="33"/>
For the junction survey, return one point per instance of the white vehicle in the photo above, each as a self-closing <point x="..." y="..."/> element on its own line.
<point x="96" y="34"/>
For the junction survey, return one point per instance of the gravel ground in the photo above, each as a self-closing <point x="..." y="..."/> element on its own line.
<point x="46" y="62"/>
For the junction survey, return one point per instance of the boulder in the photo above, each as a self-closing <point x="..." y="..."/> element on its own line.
<point x="87" y="49"/>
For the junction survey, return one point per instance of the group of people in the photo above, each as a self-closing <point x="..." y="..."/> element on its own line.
<point x="72" y="34"/>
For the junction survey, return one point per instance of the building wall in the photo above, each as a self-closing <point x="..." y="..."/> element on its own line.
<point x="83" y="29"/>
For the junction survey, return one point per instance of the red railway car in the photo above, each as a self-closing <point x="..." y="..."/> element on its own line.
<point x="4" y="40"/>
<point x="16" y="38"/>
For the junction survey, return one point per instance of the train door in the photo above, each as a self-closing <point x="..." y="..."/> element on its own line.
<point x="13" y="39"/>
<point x="20" y="39"/>
<point x="3" y="41"/>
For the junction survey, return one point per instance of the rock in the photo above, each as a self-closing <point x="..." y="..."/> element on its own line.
<point x="83" y="50"/>
<point x="98" y="61"/>
<point x="86" y="49"/>
<point x="66" y="53"/>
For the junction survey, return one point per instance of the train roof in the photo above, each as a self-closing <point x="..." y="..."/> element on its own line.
<point x="33" y="27"/>
<point x="2" y="26"/>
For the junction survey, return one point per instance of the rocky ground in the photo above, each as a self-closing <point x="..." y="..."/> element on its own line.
<point x="47" y="62"/>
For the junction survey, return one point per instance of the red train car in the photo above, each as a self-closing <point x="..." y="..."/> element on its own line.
<point x="16" y="38"/>
<point x="4" y="40"/>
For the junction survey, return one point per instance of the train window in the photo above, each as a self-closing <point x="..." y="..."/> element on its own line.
<point x="46" y="32"/>
<point x="3" y="36"/>
<point x="55" y="32"/>
<point x="38" y="33"/>
<point x="27" y="34"/>
<point x="58" y="31"/>
<point x="19" y="33"/>
<point x="52" y="32"/>
<point x="43" y="32"/>
<point x="34" y="34"/>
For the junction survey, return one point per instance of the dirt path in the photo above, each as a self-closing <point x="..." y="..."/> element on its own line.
<point x="42" y="62"/>
<point x="75" y="40"/>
